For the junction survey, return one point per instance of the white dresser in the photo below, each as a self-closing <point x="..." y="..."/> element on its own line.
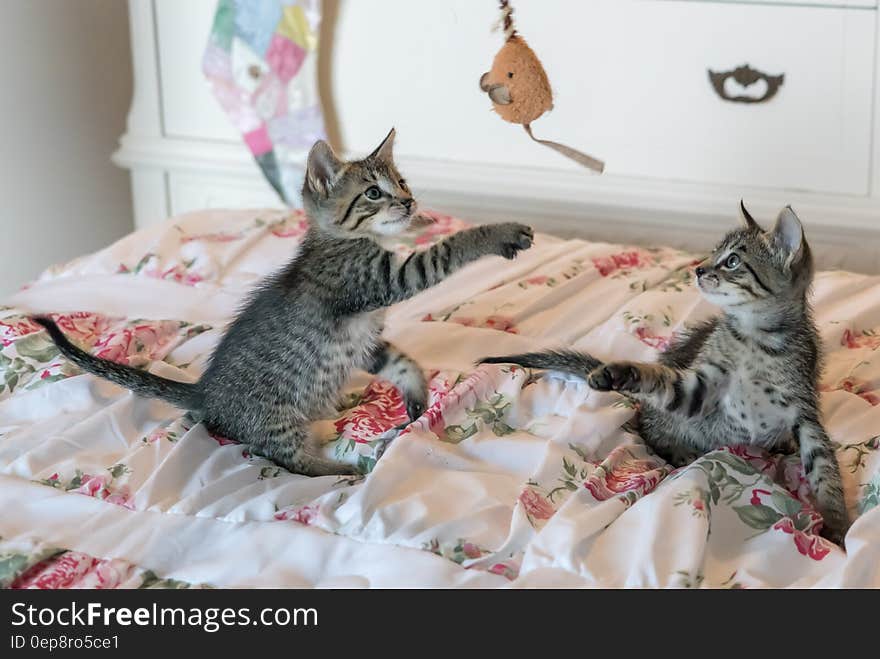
<point x="692" y="104"/>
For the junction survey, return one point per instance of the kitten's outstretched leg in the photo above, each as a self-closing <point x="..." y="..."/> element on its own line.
<point x="823" y="472"/>
<point x="685" y="392"/>
<point x="384" y="279"/>
<point x="294" y="448"/>
<point x="389" y="363"/>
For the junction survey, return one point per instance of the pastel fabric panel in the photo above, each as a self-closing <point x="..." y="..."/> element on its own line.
<point x="261" y="61"/>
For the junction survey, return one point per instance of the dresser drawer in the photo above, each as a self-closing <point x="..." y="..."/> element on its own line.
<point x="846" y="4"/>
<point x="654" y="111"/>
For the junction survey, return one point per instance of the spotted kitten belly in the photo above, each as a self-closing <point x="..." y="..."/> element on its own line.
<point x="759" y="409"/>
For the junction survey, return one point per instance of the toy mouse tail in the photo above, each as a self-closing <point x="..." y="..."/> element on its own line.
<point x="581" y="158"/>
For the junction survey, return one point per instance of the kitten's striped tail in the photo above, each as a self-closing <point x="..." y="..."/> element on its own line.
<point x="564" y="361"/>
<point x="181" y="394"/>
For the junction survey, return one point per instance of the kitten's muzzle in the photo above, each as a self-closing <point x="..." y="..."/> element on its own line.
<point x="407" y="210"/>
<point x="706" y="280"/>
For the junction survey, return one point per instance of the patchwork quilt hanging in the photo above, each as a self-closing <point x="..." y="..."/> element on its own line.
<point x="261" y="63"/>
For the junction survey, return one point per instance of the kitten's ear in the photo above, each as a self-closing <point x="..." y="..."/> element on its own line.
<point x="322" y="168"/>
<point x="746" y="218"/>
<point x="384" y="150"/>
<point x="788" y="235"/>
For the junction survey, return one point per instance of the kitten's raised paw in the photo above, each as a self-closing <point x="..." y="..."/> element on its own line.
<point x="512" y="238"/>
<point x="615" y="377"/>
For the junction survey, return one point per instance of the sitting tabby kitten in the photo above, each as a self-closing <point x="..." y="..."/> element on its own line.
<point x="284" y="359"/>
<point x="748" y="376"/>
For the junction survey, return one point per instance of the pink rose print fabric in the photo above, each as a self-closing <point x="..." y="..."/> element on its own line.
<point x="381" y="408"/>
<point x="35" y="566"/>
<point x="536" y="506"/>
<point x="621" y="473"/>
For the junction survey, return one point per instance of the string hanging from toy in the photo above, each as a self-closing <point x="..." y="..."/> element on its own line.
<point x="507" y="20"/>
<point x="526" y="97"/>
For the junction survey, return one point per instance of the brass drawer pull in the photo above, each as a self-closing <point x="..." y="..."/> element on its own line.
<point x="745" y="76"/>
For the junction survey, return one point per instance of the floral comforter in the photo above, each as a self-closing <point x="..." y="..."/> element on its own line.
<point x="508" y="480"/>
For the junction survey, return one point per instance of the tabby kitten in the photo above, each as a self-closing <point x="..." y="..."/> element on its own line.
<point x="748" y="376"/>
<point x="283" y="361"/>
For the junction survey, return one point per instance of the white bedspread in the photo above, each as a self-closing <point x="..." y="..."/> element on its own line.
<point x="507" y="480"/>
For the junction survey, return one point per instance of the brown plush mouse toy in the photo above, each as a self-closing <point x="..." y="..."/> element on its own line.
<point x="519" y="90"/>
<point x="517" y="74"/>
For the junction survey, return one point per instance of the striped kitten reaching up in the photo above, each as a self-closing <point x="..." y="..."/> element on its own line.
<point x="283" y="361"/>
<point x="748" y="376"/>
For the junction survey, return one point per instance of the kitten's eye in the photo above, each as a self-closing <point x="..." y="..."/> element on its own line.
<point x="510" y="74"/>
<point x="732" y="262"/>
<point x="373" y="193"/>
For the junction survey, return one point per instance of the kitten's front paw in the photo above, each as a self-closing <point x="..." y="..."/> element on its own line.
<point x="834" y="535"/>
<point x="834" y="527"/>
<point x="681" y="457"/>
<point x="415" y="407"/>
<point x="511" y="238"/>
<point x="615" y="377"/>
<point x="788" y="446"/>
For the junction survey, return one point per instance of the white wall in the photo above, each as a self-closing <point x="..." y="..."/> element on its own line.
<point x="65" y="88"/>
